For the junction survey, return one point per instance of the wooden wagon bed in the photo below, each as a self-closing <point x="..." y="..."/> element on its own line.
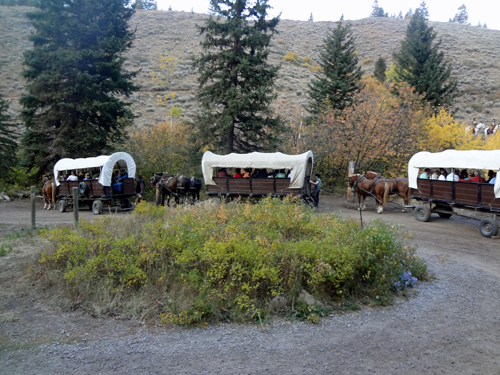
<point x="230" y="186"/>
<point x="94" y="189"/>
<point x="471" y="195"/>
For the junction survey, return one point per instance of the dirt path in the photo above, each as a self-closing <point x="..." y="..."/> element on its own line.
<point x="451" y="325"/>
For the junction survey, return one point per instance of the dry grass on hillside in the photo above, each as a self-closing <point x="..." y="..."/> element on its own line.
<point x="473" y="51"/>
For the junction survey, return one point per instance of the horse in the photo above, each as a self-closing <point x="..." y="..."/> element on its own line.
<point x="370" y="187"/>
<point x="48" y="191"/>
<point x="400" y="185"/>
<point x="166" y="185"/>
<point x="471" y="129"/>
<point x="189" y="184"/>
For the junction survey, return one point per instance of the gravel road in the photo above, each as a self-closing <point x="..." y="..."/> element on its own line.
<point x="451" y="325"/>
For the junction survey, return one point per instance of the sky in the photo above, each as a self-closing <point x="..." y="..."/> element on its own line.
<point x="484" y="11"/>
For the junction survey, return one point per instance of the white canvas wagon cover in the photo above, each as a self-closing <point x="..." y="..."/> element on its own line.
<point x="104" y="162"/>
<point x="295" y="163"/>
<point x="473" y="159"/>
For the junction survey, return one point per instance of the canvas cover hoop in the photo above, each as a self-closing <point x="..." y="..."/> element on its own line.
<point x="105" y="163"/>
<point x="473" y="159"/>
<point x="297" y="164"/>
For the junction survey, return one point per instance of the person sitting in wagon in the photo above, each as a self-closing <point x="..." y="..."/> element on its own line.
<point x="452" y="176"/>
<point x="281" y="174"/>
<point x="435" y="175"/>
<point x="237" y="173"/>
<point x="120" y="178"/>
<point x="477" y="178"/>
<point x="425" y="174"/>
<point x="222" y="173"/>
<point x="72" y="177"/>
<point x="247" y="172"/>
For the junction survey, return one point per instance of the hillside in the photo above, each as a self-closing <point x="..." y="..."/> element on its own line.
<point x="473" y="51"/>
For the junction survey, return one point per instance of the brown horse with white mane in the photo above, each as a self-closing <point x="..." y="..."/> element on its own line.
<point x="48" y="191"/>
<point x="370" y="184"/>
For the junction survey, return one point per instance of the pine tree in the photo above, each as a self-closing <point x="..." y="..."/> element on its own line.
<point x="236" y="81"/>
<point x="424" y="11"/>
<point x="420" y="63"/>
<point x="377" y="11"/>
<point x="146" y="4"/>
<point x="8" y="145"/>
<point x="74" y="73"/>
<point x="380" y="68"/>
<point x="462" y="16"/>
<point x="338" y="81"/>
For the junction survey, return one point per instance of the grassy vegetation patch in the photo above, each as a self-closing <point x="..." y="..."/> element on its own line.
<point x="193" y="265"/>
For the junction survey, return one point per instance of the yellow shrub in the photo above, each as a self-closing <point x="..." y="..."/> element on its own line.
<point x="291" y="56"/>
<point x="280" y="41"/>
<point x="306" y="59"/>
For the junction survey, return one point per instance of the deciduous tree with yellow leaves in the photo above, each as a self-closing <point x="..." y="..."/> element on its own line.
<point x="444" y="133"/>
<point x="381" y="131"/>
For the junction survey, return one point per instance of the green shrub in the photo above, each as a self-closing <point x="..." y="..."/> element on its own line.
<point x="226" y="262"/>
<point x="477" y="107"/>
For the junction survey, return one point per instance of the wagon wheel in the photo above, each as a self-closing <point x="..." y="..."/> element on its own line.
<point x="62" y="205"/>
<point x="97" y="207"/>
<point x="422" y="213"/>
<point x="488" y="227"/>
<point x="443" y="214"/>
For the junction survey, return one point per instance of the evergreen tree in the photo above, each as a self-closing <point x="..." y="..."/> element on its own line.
<point x="400" y="15"/>
<point x="146" y="4"/>
<point x="311" y="18"/>
<point x="420" y="63"/>
<point x="236" y="81"/>
<point x="74" y="73"/>
<point x="377" y="11"/>
<point x="424" y="11"/>
<point x="380" y="68"/>
<point x="8" y="145"/>
<point x="462" y="16"/>
<point x="338" y="81"/>
<point x="409" y="14"/>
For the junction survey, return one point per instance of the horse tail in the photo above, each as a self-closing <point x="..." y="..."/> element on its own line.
<point x="53" y="184"/>
<point x="386" y="192"/>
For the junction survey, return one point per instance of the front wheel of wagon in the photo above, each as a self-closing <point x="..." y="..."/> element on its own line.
<point x="422" y="213"/>
<point x="488" y="227"/>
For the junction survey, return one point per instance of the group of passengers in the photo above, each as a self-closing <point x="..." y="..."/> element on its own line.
<point x="257" y="173"/>
<point x="457" y="175"/>
<point x="82" y="176"/>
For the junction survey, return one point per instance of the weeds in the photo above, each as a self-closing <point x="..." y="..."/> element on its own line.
<point x="190" y="265"/>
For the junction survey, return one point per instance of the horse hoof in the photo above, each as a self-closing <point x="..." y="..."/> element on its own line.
<point x="404" y="210"/>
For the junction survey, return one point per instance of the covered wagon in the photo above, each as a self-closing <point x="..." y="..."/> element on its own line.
<point x="298" y="167"/>
<point x="100" y="191"/>
<point x="444" y="197"/>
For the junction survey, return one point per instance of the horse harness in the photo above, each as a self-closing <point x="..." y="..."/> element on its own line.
<point x="362" y="178"/>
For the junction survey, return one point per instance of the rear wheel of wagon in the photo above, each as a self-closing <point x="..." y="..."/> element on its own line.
<point x="62" y="205"/>
<point x="488" y="227"/>
<point x="97" y="207"/>
<point x="443" y="214"/>
<point x="422" y="213"/>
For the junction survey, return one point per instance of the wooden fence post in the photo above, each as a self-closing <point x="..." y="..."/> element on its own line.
<point x="33" y="206"/>
<point x="75" y="205"/>
<point x="350" y="172"/>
